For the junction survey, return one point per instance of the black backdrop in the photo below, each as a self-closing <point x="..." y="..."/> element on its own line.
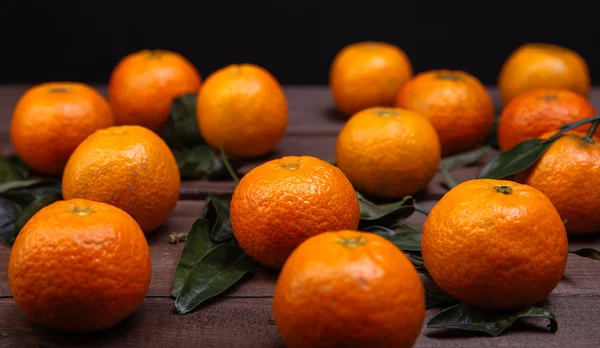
<point x="295" y="40"/>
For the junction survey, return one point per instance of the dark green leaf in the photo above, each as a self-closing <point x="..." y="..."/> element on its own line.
<point x="9" y="214"/>
<point x="25" y="192"/>
<point x="586" y="252"/>
<point x="216" y="211"/>
<point x="181" y="130"/>
<point x="437" y="298"/>
<point x="9" y="172"/>
<point x="404" y="239"/>
<point x="470" y="318"/>
<point x="449" y="180"/>
<point x="33" y="208"/>
<point x="384" y="215"/>
<point x="515" y="160"/>
<point x="217" y="271"/>
<point x="492" y="138"/>
<point x="199" y="162"/>
<point x="464" y="159"/>
<point x="417" y="261"/>
<point x="197" y="245"/>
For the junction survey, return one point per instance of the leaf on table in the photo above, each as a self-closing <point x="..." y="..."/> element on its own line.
<point x="416" y="260"/>
<point x="20" y="201"/>
<point x="384" y="215"/>
<point x="586" y="252"/>
<point x="406" y="240"/>
<point x="197" y="245"/>
<point x="181" y="130"/>
<point x="201" y="161"/>
<point x="471" y="318"/>
<point x="216" y="211"/>
<point x="217" y="271"/>
<point x="9" y="214"/>
<point x="464" y="159"/>
<point x="515" y="160"/>
<point x="449" y="180"/>
<point x="9" y="171"/>
<point x="437" y="298"/>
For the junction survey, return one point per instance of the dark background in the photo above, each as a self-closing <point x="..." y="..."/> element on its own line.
<point x="295" y="40"/>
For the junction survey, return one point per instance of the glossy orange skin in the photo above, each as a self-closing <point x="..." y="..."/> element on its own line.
<point x="536" y="65"/>
<point x="495" y="250"/>
<point x="456" y="103"/>
<point x="129" y="167"/>
<point x="538" y="111"/>
<point x="569" y="174"/>
<point x="366" y="74"/>
<point x="281" y="203"/>
<point x="348" y="289"/>
<point x="52" y="118"/>
<point x="79" y="265"/>
<point x="388" y="152"/>
<point x="143" y="85"/>
<point x="243" y="109"/>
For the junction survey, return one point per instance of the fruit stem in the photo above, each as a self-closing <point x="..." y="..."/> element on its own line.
<point x="507" y="190"/>
<point x="352" y="242"/>
<point x="590" y="133"/>
<point x="228" y="166"/>
<point x="175" y="238"/>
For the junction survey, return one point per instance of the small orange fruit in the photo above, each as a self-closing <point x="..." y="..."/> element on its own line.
<point x="456" y="103"/>
<point x="282" y="202"/>
<point x="388" y="152"/>
<point x="538" y="65"/>
<point x="52" y="118"/>
<point x="129" y="167"/>
<point x="568" y="173"/>
<point x="243" y="109"/>
<point x="348" y="289"/>
<point x="79" y="265"/>
<point x="538" y="111"/>
<point x="143" y="85"/>
<point x="495" y="244"/>
<point x="366" y="74"/>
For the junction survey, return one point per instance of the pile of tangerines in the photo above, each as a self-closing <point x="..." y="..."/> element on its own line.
<point x="83" y="264"/>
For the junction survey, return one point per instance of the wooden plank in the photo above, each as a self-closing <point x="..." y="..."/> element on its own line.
<point x="244" y="322"/>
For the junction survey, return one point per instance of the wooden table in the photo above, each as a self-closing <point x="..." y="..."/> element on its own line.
<point x="240" y="318"/>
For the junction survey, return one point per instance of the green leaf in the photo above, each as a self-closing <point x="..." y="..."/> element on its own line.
<point x="586" y="252"/>
<point x="406" y="240"/>
<point x="217" y="271"/>
<point x="417" y="261"/>
<point x="471" y="318"/>
<point x="197" y="245"/>
<point x="216" y="211"/>
<point x="515" y="160"/>
<point x="384" y="215"/>
<point x="449" y="180"/>
<point x="464" y="159"/>
<point x="9" y="214"/>
<point x="201" y="161"/>
<point x="181" y="129"/>
<point x="9" y="171"/>
<point x="437" y="298"/>
<point x="31" y="209"/>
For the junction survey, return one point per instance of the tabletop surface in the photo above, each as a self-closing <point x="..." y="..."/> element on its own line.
<point x="241" y="316"/>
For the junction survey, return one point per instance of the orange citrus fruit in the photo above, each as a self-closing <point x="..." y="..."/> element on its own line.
<point x="568" y="173"/>
<point x="538" y="111"/>
<point x="538" y="65"/>
<point x="243" y="109"/>
<point x="348" y="289"/>
<point x="495" y="244"/>
<point x="52" y="118"/>
<point x="456" y="103"/>
<point x="282" y="202"/>
<point x="129" y="167"/>
<point x="143" y="85"/>
<point x="388" y="152"/>
<point x="79" y="265"/>
<point x="366" y="74"/>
